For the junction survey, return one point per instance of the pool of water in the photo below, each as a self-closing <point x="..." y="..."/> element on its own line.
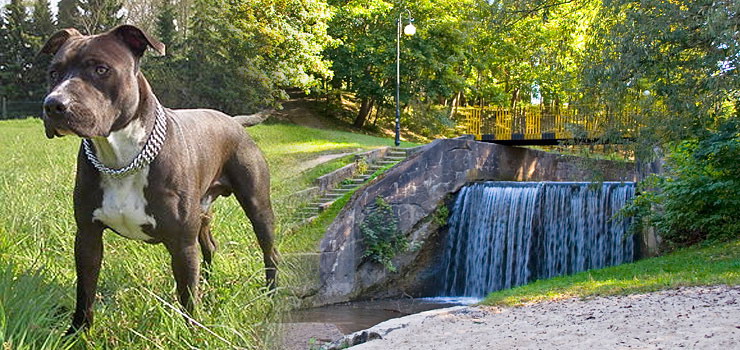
<point x="355" y="316"/>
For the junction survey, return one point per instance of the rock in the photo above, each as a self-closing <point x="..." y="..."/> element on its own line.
<point x="415" y="189"/>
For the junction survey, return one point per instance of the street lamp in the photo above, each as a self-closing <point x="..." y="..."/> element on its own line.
<point x="409" y="30"/>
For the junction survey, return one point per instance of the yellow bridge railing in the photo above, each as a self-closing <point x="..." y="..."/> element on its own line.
<point x="537" y="123"/>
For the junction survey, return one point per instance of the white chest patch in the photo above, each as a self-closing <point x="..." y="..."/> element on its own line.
<point x="123" y="208"/>
<point x="124" y="204"/>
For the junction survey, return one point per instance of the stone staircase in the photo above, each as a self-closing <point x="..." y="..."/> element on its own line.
<point x="385" y="158"/>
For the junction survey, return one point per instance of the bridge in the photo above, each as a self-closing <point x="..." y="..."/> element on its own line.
<point x="539" y="125"/>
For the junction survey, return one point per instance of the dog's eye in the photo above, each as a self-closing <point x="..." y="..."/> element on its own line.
<point x="101" y="70"/>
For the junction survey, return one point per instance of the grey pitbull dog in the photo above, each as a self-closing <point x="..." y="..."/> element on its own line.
<point x="146" y="172"/>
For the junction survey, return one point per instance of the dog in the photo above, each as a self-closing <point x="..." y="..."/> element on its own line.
<point x="147" y="172"/>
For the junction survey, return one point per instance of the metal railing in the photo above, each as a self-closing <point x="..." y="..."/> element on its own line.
<point x="540" y="123"/>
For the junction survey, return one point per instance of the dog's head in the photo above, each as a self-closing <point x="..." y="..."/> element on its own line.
<point x="93" y="84"/>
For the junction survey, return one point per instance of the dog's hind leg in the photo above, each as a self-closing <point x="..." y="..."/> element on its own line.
<point x="207" y="243"/>
<point x="250" y="181"/>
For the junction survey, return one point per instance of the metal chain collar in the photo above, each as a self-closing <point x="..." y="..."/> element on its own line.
<point x="148" y="153"/>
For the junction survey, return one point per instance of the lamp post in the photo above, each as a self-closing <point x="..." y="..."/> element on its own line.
<point x="409" y="30"/>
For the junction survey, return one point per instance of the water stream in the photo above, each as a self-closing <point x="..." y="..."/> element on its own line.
<point x="505" y="234"/>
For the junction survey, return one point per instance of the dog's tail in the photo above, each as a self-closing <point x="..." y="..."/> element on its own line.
<point x="253" y="119"/>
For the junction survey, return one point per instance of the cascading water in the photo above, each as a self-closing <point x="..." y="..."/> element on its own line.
<point x="504" y="234"/>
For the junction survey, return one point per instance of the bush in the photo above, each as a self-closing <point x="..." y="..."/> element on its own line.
<point x="382" y="238"/>
<point x="698" y="197"/>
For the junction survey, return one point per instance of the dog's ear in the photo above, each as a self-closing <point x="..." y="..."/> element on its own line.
<point x="137" y="40"/>
<point x="57" y="40"/>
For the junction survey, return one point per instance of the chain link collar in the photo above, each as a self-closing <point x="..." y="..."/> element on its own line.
<point x="148" y="153"/>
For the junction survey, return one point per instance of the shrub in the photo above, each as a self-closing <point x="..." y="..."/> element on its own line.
<point x="698" y="197"/>
<point x="383" y="240"/>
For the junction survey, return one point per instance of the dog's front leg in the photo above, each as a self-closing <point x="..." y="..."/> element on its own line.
<point x="186" y="268"/>
<point x="88" y="256"/>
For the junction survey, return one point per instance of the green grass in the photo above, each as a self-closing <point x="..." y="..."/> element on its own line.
<point x="136" y="307"/>
<point x="710" y="265"/>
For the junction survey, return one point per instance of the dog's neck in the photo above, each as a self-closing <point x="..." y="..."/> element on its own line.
<point x="120" y="147"/>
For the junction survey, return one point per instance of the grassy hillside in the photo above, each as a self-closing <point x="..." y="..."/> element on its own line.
<point x="136" y="306"/>
<point x="709" y="265"/>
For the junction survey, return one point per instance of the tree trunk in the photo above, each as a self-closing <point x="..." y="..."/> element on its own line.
<point x="454" y="104"/>
<point x="514" y="98"/>
<point x="365" y="108"/>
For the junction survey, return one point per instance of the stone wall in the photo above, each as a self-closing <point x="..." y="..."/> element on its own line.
<point x="415" y="189"/>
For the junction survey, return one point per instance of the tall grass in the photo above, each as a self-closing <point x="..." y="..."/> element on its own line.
<point x="136" y="306"/>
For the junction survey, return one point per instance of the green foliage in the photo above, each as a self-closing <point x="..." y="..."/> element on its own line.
<point x="21" y="35"/>
<point x="671" y="64"/>
<point x="238" y="56"/>
<point x="97" y="16"/>
<point x="441" y="215"/>
<point x="698" y="197"/>
<point x="362" y="166"/>
<point x="464" y="53"/>
<point x="381" y="236"/>
<point x="68" y="13"/>
<point x="697" y="266"/>
<point x="166" y="29"/>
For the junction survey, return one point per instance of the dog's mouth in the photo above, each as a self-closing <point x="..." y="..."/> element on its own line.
<point x="73" y="122"/>
<point x="55" y="129"/>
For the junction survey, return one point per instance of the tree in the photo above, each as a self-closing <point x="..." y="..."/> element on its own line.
<point x="97" y="16"/>
<point x="165" y="25"/>
<point x="18" y="54"/>
<point x="22" y="74"/>
<point x="143" y="13"/>
<point x="239" y="56"/>
<point x="364" y="61"/>
<point x="42" y="20"/>
<point x="674" y="64"/>
<point x="68" y="13"/>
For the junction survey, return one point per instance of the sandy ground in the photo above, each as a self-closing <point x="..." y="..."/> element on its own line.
<point x="693" y="318"/>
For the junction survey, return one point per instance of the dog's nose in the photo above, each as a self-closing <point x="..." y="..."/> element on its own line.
<point x="54" y="107"/>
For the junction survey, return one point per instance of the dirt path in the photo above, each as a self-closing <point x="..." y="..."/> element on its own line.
<point x="304" y="111"/>
<point x="694" y="318"/>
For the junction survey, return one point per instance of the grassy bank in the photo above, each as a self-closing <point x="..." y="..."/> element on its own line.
<point x="136" y="306"/>
<point x="711" y="265"/>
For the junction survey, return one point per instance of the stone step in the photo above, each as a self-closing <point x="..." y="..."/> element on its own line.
<point x="326" y="204"/>
<point x="395" y="158"/>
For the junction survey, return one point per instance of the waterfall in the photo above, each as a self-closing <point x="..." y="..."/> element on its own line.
<point x="504" y="234"/>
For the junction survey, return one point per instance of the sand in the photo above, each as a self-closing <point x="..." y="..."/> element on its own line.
<point x="692" y="317"/>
